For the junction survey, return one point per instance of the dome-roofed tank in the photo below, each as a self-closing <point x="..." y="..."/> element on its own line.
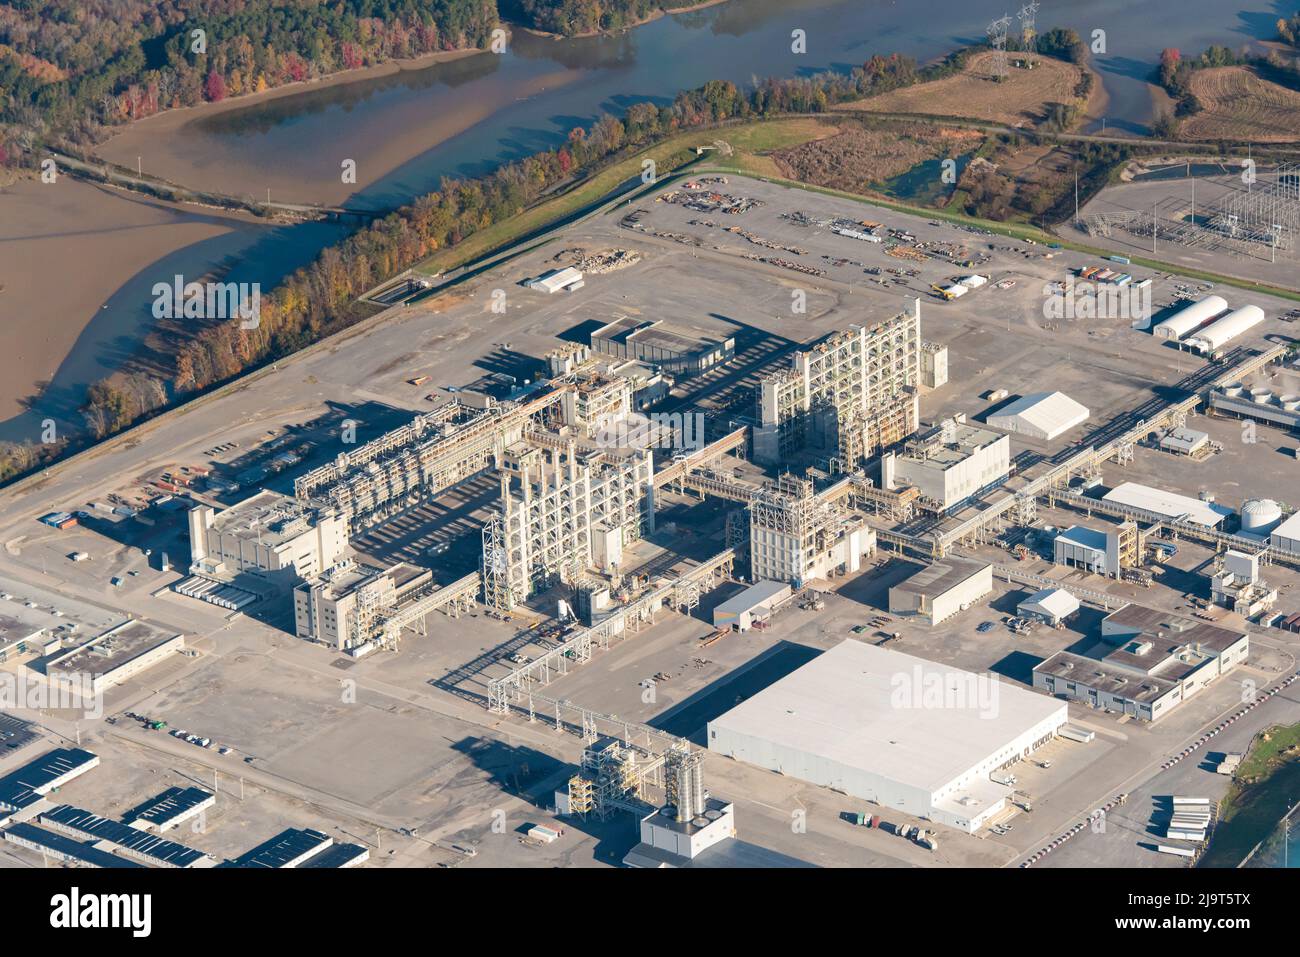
<point x="1260" y="515"/>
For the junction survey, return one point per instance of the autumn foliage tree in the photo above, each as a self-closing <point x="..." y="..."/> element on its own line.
<point x="214" y="88"/>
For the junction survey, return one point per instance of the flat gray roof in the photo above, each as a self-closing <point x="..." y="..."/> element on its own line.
<point x="1085" y="536"/>
<point x="1092" y="673"/>
<point x="269" y="517"/>
<point x="754" y="595"/>
<point x="1175" y="629"/>
<point x="842" y="706"/>
<point x="942" y="576"/>
<point x="110" y="650"/>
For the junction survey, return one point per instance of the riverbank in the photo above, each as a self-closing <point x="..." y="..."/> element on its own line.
<point x="65" y="250"/>
<point x="587" y="34"/>
<point x="181" y="146"/>
<point x="1266" y="785"/>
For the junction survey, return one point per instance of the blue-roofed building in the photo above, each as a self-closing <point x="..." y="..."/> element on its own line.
<point x="290" y="848"/>
<point x="140" y="845"/>
<point x="29" y="784"/>
<point x="63" y="848"/>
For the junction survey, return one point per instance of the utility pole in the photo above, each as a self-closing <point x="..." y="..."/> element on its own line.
<point x="1153" y="227"/>
<point x="1076" y="197"/>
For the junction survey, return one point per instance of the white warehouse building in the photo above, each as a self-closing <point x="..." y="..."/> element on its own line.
<point x="894" y="729"/>
<point x="1286" y="537"/>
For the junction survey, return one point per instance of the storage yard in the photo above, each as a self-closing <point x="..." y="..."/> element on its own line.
<point x="495" y="520"/>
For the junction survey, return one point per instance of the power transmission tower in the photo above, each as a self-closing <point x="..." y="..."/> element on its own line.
<point x="997" y="33"/>
<point x="1028" y="34"/>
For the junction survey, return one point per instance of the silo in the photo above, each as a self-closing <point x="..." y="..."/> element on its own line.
<point x="1259" y="516"/>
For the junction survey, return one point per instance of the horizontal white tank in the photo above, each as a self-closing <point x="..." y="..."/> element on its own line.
<point x="1222" y="331"/>
<point x="1191" y="317"/>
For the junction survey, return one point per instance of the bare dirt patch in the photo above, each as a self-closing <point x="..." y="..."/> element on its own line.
<point x="860" y="156"/>
<point x="1022" y="99"/>
<point x="1238" y="105"/>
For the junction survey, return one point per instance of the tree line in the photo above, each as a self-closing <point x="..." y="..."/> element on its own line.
<point x="69" y="69"/>
<point x="321" y="298"/>
<point x="571" y="18"/>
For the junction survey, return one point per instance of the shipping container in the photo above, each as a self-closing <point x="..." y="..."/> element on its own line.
<point x="1179" y="851"/>
<point x="1076" y="734"/>
<point x="545" y="834"/>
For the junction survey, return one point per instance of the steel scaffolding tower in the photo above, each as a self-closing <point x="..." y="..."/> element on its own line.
<point x="852" y="391"/>
<point x="554" y="507"/>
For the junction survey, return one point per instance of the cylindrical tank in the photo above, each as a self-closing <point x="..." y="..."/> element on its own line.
<point x="1260" y="515"/>
<point x="1222" y="331"/>
<point x="1191" y="317"/>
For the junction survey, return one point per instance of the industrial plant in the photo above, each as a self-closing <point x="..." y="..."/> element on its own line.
<point x="656" y="563"/>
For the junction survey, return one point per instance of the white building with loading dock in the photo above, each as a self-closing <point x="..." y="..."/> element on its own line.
<point x="268" y="541"/>
<point x="887" y="727"/>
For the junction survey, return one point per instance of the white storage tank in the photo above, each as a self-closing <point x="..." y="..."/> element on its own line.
<point x="1222" y="331"/>
<point x="1259" y="516"/>
<point x="1191" y="317"/>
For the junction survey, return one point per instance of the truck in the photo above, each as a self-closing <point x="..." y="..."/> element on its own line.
<point x="1002" y="777"/>
<point x="1076" y="734"/>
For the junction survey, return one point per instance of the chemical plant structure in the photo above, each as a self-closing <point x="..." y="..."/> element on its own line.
<point x="872" y="487"/>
